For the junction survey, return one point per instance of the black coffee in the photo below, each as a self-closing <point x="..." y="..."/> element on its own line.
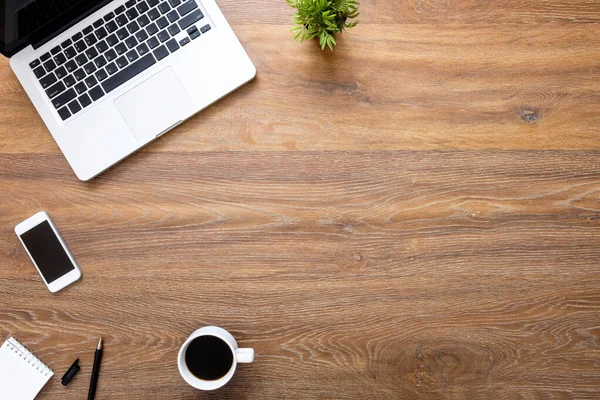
<point x="208" y="358"/>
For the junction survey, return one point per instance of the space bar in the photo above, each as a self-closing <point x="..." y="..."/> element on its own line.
<point x="127" y="73"/>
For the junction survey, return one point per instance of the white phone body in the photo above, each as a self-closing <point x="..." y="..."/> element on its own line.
<point x="47" y="271"/>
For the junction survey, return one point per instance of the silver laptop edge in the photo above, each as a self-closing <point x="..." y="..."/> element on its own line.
<point x="164" y="95"/>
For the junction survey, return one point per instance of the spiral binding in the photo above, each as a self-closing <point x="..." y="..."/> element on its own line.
<point x="28" y="356"/>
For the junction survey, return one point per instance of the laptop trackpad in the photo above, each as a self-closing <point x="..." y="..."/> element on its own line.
<point x="155" y="105"/>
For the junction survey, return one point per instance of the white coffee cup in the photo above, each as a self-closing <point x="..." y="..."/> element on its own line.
<point x="239" y="356"/>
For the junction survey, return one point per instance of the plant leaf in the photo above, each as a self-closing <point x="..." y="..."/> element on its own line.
<point x="323" y="19"/>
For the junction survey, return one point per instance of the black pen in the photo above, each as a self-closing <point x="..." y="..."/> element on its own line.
<point x="95" y="371"/>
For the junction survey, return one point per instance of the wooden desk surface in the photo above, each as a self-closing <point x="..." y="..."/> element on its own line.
<point x="416" y="215"/>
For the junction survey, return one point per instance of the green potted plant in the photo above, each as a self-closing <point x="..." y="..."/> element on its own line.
<point x="323" y="19"/>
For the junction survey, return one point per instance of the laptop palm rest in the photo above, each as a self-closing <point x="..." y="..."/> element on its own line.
<point x="155" y="105"/>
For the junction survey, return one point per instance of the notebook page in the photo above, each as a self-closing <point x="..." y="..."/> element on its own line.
<point x="19" y="378"/>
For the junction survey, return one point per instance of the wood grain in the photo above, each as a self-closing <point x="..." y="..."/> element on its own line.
<point x="428" y="86"/>
<point x="416" y="215"/>
<point x="399" y="274"/>
<point x="412" y="12"/>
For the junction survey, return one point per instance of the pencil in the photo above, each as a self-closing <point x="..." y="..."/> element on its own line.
<point x="95" y="371"/>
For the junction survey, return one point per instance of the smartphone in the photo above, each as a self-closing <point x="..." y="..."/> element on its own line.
<point x="48" y="251"/>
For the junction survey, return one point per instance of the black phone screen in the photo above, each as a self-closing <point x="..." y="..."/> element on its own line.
<point x="47" y="251"/>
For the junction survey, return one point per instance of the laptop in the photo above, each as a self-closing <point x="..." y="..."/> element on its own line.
<point x="108" y="77"/>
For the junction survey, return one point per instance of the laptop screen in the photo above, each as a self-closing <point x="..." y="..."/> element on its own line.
<point x="28" y="21"/>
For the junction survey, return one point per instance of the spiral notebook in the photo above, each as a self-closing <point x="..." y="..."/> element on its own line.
<point x="22" y="375"/>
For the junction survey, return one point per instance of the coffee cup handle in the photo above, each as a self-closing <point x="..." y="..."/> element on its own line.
<point x="244" y="355"/>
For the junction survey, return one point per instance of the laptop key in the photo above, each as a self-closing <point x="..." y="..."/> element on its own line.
<point x="60" y="59"/>
<point x="143" y="20"/>
<point x="91" y="53"/>
<point x="131" y="42"/>
<point x="98" y="23"/>
<point x="55" y="50"/>
<point x="44" y="57"/>
<point x="48" y="80"/>
<point x="119" y="9"/>
<point x="111" y="27"/>
<point x="141" y="36"/>
<point x="142" y="49"/>
<point x="153" y="42"/>
<point x="164" y="7"/>
<point x="175" y="3"/>
<point x="172" y="45"/>
<point x="122" y="20"/>
<point x="101" y="33"/>
<point x="80" y="88"/>
<point x="120" y="48"/>
<point x="153" y="14"/>
<point x="132" y="14"/>
<point x="161" y="52"/>
<point x="77" y="36"/>
<point x="127" y="73"/>
<point x="89" y="68"/>
<point x="110" y="55"/>
<point x="109" y="16"/>
<point x="49" y="65"/>
<point x="102" y="46"/>
<point x="71" y="66"/>
<point x="195" y="34"/>
<point x="152" y="3"/>
<point x="100" y="61"/>
<point x="162" y="22"/>
<point x="163" y="36"/>
<point x="152" y="29"/>
<point x="112" y="40"/>
<point x="81" y="59"/>
<point x="74" y="107"/>
<point x="142" y="7"/>
<point x="101" y="75"/>
<point x="111" y="68"/>
<point x="69" y="81"/>
<point x="90" y="39"/>
<point x="130" y="3"/>
<point x="66" y="43"/>
<point x="55" y="89"/>
<point x="191" y="18"/>
<point x="91" y="81"/>
<point x="64" y="113"/>
<point x="187" y="7"/>
<point x="172" y="16"/>
<point x="174" y="29"/>
<point x="132" y="56"/>
<point x="63" y="98"/>
<point x="88" y="30"/>
<point x="122" y="33"/>
<point x="80" y="46"/>
<point x="184" y="41"/>
<point x="122" y="62"/>
<point x="96" y="93"/>
<point x="84" y="100"/>
<point x="79" y="74"/>
<point x="133" y="27"/>
<point x="60" y="72"/>
<point x="70" y="52"/>
<point x="39" y="72"/>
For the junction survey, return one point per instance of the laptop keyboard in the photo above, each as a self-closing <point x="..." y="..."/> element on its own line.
<point x="113" y="50"/>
